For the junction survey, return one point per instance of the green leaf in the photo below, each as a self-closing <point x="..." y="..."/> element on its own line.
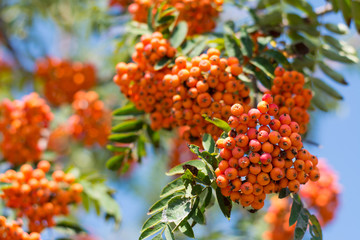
<point x="337" y="28"/>
<point x="272" y="18"/>
<point x="198" y="216"/>
<point x="161" y="204"/>
<point x="128" y="126"/>
<point x="153" y="135"/>
<point x="284" y="192"/>
<point x="198" y="49"/>
<point x="316" y="227"/>
<point x="345" y="6"/>
<point x="208" y="143"/>
<point x="319" y="103"/>
<point x="117" y="149"/>
<point x="150" y="18"/>
<point x="100" y="195"/>
<point x="128" y="109"/>
<point x="152" y="221"/>
<point x="158" y="237"/>
<point x="205" y="198"/>
<point x="265" y="81"/>
<point x="278" y="57"/>
<point x="190" y="44"/>
<point x="339" y="56"/>
<point x="178" y="209"/>
<point x="246" y="43"/>
<point x="186" y="229"/>
<point x="151" y="231"/>
<point x="301" y="225"/>
<point x="192" y="165"/>
<point x="355" y="7"/>
<point x="264" y="65"/>
<point x="141" y="151"/>
<point x="168" y="233"/>
<point x="332" y="74"/>
<point x="296" y="208"/>
<point x="172" y="187"/>
<point x="340" y="45"/>
<point x="224" y="203"/>
<point x="302" y="5"/>
<point x="232" y="47"/>
<point x="179" y="34"/>
<point x="326" y="88"/>
<point x="74" y="226"/>
<point x="162" y="63"/>
<point x="232" y="44"/>
<point x="165" y="20"/>
<point x="335" y="5"/>
<point x="218" y="122"/>
<point x="115" y="162"/>
<point x="123" y="137"/>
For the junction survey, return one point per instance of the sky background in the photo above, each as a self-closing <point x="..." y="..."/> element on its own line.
<point x="337" y="132"/>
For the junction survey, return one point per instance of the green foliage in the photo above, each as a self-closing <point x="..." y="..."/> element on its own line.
<point x="302" y="217"/>
<point x="97" y="194"/>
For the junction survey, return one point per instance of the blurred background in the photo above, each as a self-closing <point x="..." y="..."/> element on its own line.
<point x="90" y="31"/>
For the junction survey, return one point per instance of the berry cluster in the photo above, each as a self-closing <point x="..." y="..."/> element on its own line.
<point x="262" y="154"/>
<point x="13" y="231"/>
<point x="143" y="85"/>
<point x="23" y="123"/>
<point x="322" y="196"/>
<point x="63" y="78"/>
<point x="36" y="197"/>
<point x="207" y="85"/>
<point x="277" y="216"/>
<point x="200" y="15"/>
<point x="291" y="96"/>
<point x="91" y="122"/>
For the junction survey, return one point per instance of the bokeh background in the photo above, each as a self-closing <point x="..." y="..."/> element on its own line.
<point x="336" y="134"/>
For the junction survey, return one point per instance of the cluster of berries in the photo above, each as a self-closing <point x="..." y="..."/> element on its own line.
<point x="277" y="216"/>
<point x="63" y="78"/>
<point x="321" y="198"/>
<point x="200" y="15"/>
<point x="207" y="85"/>
<point x="262" y="154"/>
<point x="141" y="83"/>
<point x="36" y="197"/>
<point x="11" y="230"/>
<point x="23" y="124"/>
<point x="91" y="122"/>
<point x="291" y="96"/>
